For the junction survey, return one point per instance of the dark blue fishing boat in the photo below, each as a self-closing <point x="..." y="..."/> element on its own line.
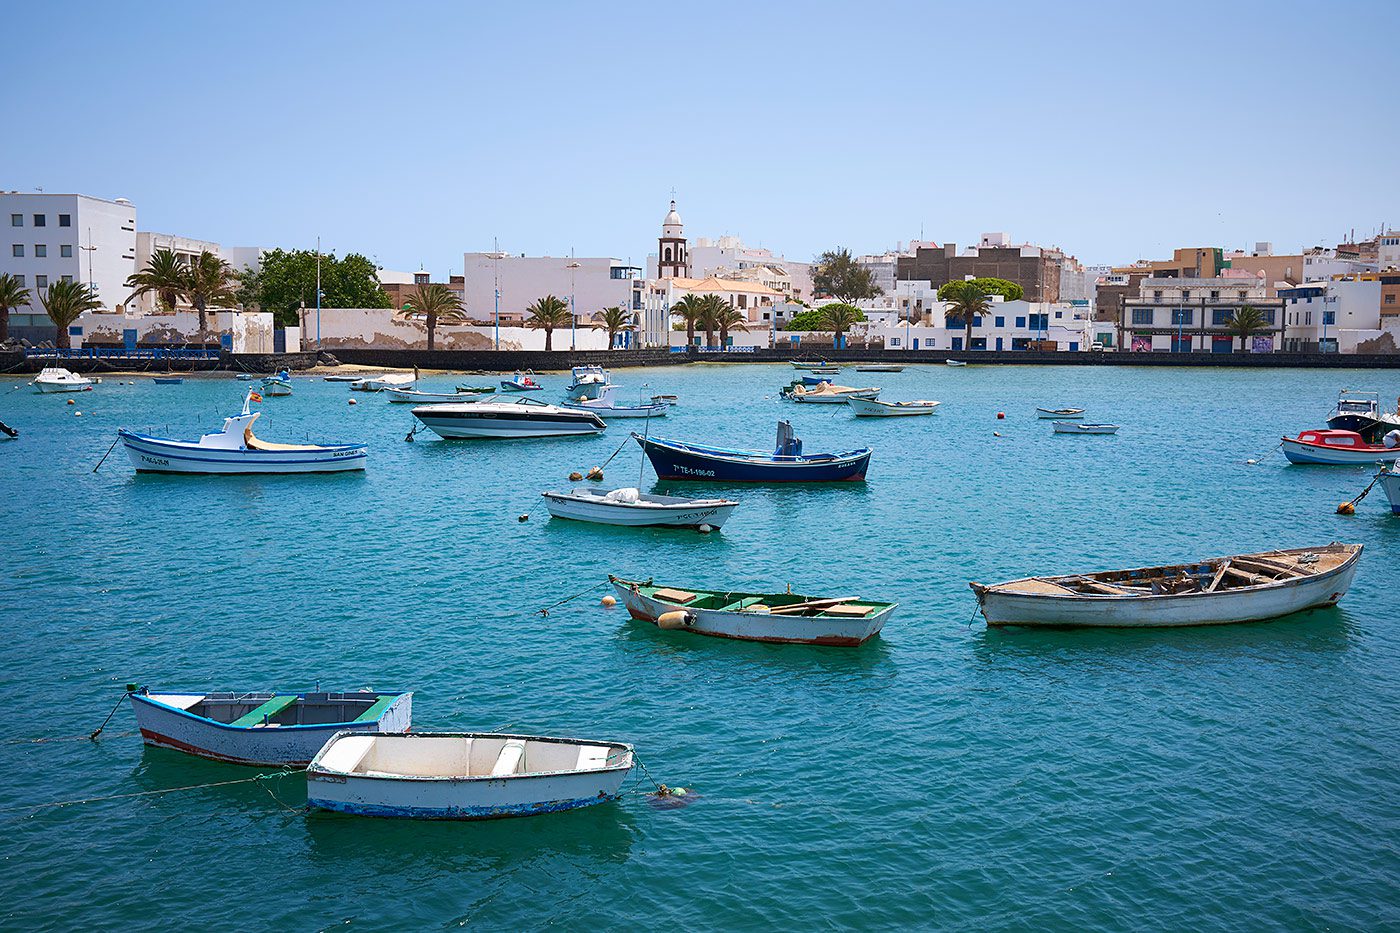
<point x="786" y="464"/>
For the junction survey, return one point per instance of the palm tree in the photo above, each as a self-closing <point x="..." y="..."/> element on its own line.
<point x="546" y="314"/>
<point x="437" y="303"/>
<point x="731" y="318"/>
<point x="1245" y="321"/>
<point x="689" y="308"/>
<point x="965" y="302"/>
<point x="840" y="317"/>
<point x="12" y="295"/>
<point x="165" y="274"/>
<point x="64" y="301"/>
<point x="209" y="280"/>
<point x="713" y="310"/>
<point x="615" y="319"/>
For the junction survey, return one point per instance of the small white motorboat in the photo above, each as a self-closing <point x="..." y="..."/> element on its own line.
<point x="1059" y="413"/>
<point x="430" y="398"/>
<point x="463" y="775"/>
<point x="521" y="382"/>
<point x="812" y="364"/>
<point x="280" y="384"/>
<point x="589" y="382"/>
<point x="874" y="408"/>
<point x="1340" y="448"/>
<point x="524" y="417"/>
<point x="58" y="379"/>
<point x="1243" y="588"/>
<point x="634" y="508"/>
<point x="954" y="363"/>
<point x="235" y="450"/>
<point x="388" y="381"/>
<point x="825" y="393"/>
<point x="1077" y="427"/>
<point x="263" y="728"/>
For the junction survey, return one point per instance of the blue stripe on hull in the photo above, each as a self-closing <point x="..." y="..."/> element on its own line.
<point x="457" y="813"/>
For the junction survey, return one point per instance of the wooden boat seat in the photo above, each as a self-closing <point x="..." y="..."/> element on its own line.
<point x="674" y="596"/>
<point x="269" y="709"/>
<point x="376" y="709"/>
<point x="854" y="612"/>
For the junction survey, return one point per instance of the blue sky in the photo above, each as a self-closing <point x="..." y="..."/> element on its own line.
<point x="414" y="132"/>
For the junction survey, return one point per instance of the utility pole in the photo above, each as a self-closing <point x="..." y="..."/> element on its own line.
<point x="89" y="249"/>
<point x="318" y="293"/>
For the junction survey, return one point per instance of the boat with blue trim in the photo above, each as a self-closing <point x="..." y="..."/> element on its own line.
<point x="589" y="382"/>
<point x="463" y="775"/>
<point x="236" y="450"/>
<point x="676" y="460"/>
<point x="264" y="728"/>
<point x="521" y="382"/>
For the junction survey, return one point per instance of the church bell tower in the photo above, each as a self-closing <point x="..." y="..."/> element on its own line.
<point x="672" y="261"/>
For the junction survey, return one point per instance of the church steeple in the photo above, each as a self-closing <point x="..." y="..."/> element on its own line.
<point x="671" y="258"/>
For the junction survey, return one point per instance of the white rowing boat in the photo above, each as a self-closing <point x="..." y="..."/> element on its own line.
<point x="463" y="775"/>
<point x="1059" y="413"/>
<point x="1243" y="588"/>
<point x="636" y="509"/>
<point x="874" y="408"/>
<point x="1076" y="427"/>
<point x="432" y="398"/>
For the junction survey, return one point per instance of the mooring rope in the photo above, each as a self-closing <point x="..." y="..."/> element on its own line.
<point x="1259" y="458"/>
<point x="597" y="586"/>
<point x="1347" y="508"/>
<point x="149" y="793"/>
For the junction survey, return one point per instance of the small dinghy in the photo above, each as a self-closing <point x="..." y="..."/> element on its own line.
<point x="168" y="380"/>
<point x="522" y="417"/>
<point x="1079" y="427"/>
<point x="1054" y="413"/>
<point x="57" y="379"/>
<point x="521" y="383"/>
<point x="1243" y="588"/>
<point x="811" y="365"/>
<point x="380" y="383"/>
<point x="1340" y="448"/>
<point x="954" y="363"/>
<point x="637" y="509"/>
<point x="352" y="377"/>
<point x="476" y="390"/>
<point x="264" y="728"/>
<point x="674" y="460"/>
<point x="430" y="398"/>
<point x="880" y="368"/>
<point x="248" y="377"/>
<point x="606" y="408"/>
<point x="825" y="393"/>
<point x="788" y="618"/>
<point x="235" y="450"/>
<point x="280" y="384"/>
<point x="874" y="408"/>
<point x="463" y="775"/>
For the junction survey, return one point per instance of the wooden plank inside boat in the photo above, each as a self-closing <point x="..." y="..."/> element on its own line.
<point x="674" y="596"/>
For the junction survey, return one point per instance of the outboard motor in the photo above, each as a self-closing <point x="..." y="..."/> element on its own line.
<point x="789" y="444"/>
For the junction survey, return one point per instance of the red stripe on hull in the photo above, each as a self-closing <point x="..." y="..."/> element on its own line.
<point x="164" y="741"/>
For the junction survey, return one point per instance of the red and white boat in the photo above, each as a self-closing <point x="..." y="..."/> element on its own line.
<point x="1340" y="448"/>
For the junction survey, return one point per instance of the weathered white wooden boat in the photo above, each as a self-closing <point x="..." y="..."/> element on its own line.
<point x="352" y="377"/>
<point x="431" y="398"/>
<point x="261" y="728"/>
<point x="523" y="417"/>
<point x="1076" y="427"/>
<point x="235" y="450"/>
<point x="1058" y="413"/>
<point x="636" y="509"/>
<point x="810" y="365"/>
<point x="388" y="381"/>
<point x="1340" y="448"/>
<point x="874" y="408"/>
<point x="842" y="621"/>
<point x="464" y="775"/>
<point x="1243" y="588"/>
<point x="1390" y="485"/>
<point x="880" y="368"/>
<point x="607" y="408"/>
<point x="280" y="384"/>
<point x="58" y="379"/>
<point x="825" y="393"/>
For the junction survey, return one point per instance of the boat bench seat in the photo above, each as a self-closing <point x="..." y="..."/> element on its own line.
<point x="674" y="596"/>
<point x="269" y="709"/>
<point x="376" y="709"/>
<point x="509" y="759"/>
<point x="848" y="610"/>
<point x="745" y="603"/>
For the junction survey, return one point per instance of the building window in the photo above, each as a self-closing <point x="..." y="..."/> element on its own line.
<point x="1059" y="314"/>
<point x="1142" y="317"/>
<point x="1040" y="321"/>
<point x="1243" y="295"/>
<point x="67" y="278"/>
<point x="1020" y="322"/>
<point x="65" y="220"/>
<point x="1214" y="293"/>
<point x="1329" y="317"/>
<point x="1001" y="322"/>
<point x="1220" y="316"/>
<point x="41" y="281"/>
<point x="17" y="251"/>
<point x="1181" y="316"/>
<point x="20" y="279"/>
<point x="1157" y="293"/>
<point x="1390" y="299"/>
<point x="40" y="220"/>
<point x="16" y="220"/>
<point x="1308" y="321"/>
<point x="66" y="251"/>
<point x="41" y="251"/>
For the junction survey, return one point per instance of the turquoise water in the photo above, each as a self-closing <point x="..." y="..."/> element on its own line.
<point x="942" y="775"/>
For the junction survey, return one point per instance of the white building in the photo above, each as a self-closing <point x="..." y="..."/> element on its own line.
<point x="1008" y="325"/>
<point x="728" y="257"/>
<point x="187" y="249"/>
<point x="68" y="236"/>
<point x="1388" y="250"/>
<point x="592" y="283"/>
<point x="1333" y="317"/>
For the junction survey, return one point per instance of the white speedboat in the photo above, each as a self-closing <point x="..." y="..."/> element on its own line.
<point x="463" y="775"/>
<point x="589" y="382"/>
<point x="389" y="381"/>
<point x="1076" y="427"/>
<point x="1361" y="412"/>
<point x="58" y="379"/>
<point x="430" y="398"/>
<point x="1243" y="588"/>
<point x="236" y="450"/>
<point x="523" y="417"/>
<point x="634" y="508"/>
<point x="874" y="408"/>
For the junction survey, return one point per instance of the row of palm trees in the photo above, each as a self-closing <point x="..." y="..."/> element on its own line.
<point x="552" y="312"/>
<point x="63" y="301"/>
<point x="205" y="280"/>
<point x="709" y="313"/>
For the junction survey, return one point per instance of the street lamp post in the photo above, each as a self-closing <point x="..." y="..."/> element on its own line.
<point x="573" y="266"/>
<point x="318" y="293"/>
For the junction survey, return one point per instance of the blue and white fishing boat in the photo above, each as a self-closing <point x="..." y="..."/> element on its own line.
<point x="463" y="775"/>
<point x="1390" y="485"/>
<point x="261" y="728"/>
<point x="235" y="450"/>
<point x="520" y="382"/>
<point x="675" y="460"/>
<point x="589" y="382"/>
<point x="279" y="384"/>
<point x="168" y="380"/>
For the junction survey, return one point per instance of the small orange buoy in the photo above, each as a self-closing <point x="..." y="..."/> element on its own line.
<point x="575" y="476"/>
<point x="1346" y="508"/>
<point x="1001" y="416"/>
<point x="71" y="402"/>
<point x="609" y="601"/>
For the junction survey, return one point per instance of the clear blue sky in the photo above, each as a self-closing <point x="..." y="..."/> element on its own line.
<point x="413" y="132"/>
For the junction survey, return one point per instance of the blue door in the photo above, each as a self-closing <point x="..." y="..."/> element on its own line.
<point x="916" y="343"/>
<point x="1073" y="346"/>
<point x="957" y="343"/>
<point x="998" y="343"/>
<point x="129" y="338"/>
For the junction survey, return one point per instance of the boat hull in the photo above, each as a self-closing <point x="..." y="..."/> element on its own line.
<point x="469" y="425"/>
<point x="1170" y="611"/>
<point x="873" y="408"/>
<point x="640" y="515"/>
<point x="1371" y="427"/>
<point x="753" y="626"/>
<point x="673" y="462"/>
<point x="1073" y="427"/>
<point x="163" y="726"/>
<point x="51" y="388"/>
<point x="620" y="411"/>
<point x="1299" y="452"/>
<point x="156" y="455"/>
<point x="1390" y="485"/>
<point x="432" y="398"/>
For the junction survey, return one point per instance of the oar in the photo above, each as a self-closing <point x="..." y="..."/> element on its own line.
<point x="812" y="604"/>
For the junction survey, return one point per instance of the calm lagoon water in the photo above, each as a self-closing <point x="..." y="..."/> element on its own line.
<point x="943" y="775"/>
